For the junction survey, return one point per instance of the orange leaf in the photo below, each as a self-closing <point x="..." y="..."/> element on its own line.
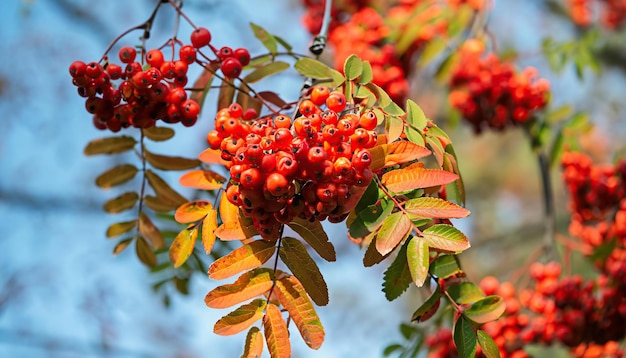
<point x="415" y="176"/>
<point x="394" y="229"/>
<point x="247" y="257"/>
<point x="202" y="179"/>
<point x="294" y="298"/>
<point x="240" y="319"/>
<point x="183" y="245"/>
<point x="211" y="156"/>
<point x="234" y="227"/>
<point x="430" y="207"/>
<point x="163" y="190"/>
<point x="387" y="155"/>
<point x="166" y="162"/>
<point x="254" y="344"/>
<point x="248" y="285"/>
<point x="192" y="211"/>
<point x="150" y="232"/>
<point x="209" y="225"/>
<point x="276" y="333"/>
<point x="313" y="233"/>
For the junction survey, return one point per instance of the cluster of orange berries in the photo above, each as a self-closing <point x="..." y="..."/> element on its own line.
<point x="490" y="92"/>
<point x="578" y="314"/>
<point x="143" y="90"/>
<point x="306" y="167"/>
<point x="613" y="12"/>
<point x="598" y="206"/>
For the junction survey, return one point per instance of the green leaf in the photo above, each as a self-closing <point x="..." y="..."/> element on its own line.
<point x="267" y="39"/>
<point x="428" y="308"/>
<point x="464" y="338"/>
<point x="110" y="145"/>
<point x="390" y="349"/>
<point x="370" y="218"/>
<point x="271" y="68"/>
<point x="446" y="237"/>
<point x="486" y="310"/>
<point x="312" y="68"/>
<point x="158" y="134"/>
<point x="121" y="203"/>
<point x="166" y="162"/>
<point x="313" y="233"/>
<point x="487" y="344"/>
<point x="353" y="67"/>
<point x="445" y="266"/>
<point x="120" y="228"/>
<point x="465" y="293"/>
<point x="394" y="128"/>
<point x="394" y="229"/>
<point x="415" y="115"/>
<point x="397" y="276"/>
<point x="431" y="50"/>
<point x="295" y="256"/>
<point x="372" y="256"/>
<point x="418" y="259"/>
<point x="283" y="43"/>
<point x="145" y="253"/>
<point x="117" y="175"/>
<point x="366" y="73"/>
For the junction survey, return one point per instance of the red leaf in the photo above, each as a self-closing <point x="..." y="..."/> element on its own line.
<point x="202" y="179"/>
<point x="415" y="176"/>
<point x="387" y="155"/>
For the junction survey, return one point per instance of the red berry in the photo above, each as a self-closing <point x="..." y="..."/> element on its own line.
<point x="155" y="58"/>
<point x="235" y="110"/>
<point x="127" y="54"/>
<point x="231" y="67"/>
<point x="200" y="37"/>
<point x="93" y="70"/>
<point x="242" y="55"/>
<point x="277" y="184"/>
<point x="190" y="108"/>
<point x="225" y="52"/>
<point x="77" y="68"/>
<point x="187" y="54"/>
<point x="115" y="71"/>
<point x="336" y="101"/>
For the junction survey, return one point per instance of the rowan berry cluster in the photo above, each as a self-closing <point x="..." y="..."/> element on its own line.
<point x="613" y="13"/>
<point x="490" y="92"/>
<point x="140" y="91"/>
<point x="579" y="314"/>
<point x="307" y="167"/>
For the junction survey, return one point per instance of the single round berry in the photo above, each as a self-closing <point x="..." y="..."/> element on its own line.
<point x="127" y="54"/>
<point x="319" y="94"/>
<point x="231" y="67"/>
<point x="77" y="68"/>
<point x="190" y="108"/>
<point x="336" y="101"/>
<point x="225" y="52"/>
<point x="154" y="58"/>
<point x="188" y="54"/>
<point x="242" y="55"/>
<point x="200" y="37"/>
<point x="277" y="184"/>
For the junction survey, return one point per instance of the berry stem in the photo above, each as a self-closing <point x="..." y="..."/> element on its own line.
<point x="142" y="156"/>
<point x="181" y="13"/>
<point x="548" y="202"/>
<point x="278" y="242"/>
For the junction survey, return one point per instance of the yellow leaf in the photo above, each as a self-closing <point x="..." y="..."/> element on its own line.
<point x="202" y="179"/>
<point x="120" y="228"/>
<point x="415" y="176"/>
<point x="250" y="284"/>
<point x="122" y="245"/>
<point x="294" y="298"/>
<point x="431" y="207"/>
<point x="295" y="256"/>
<point x="211" y="156"/>
<point x="157" y="204"/>
<point x="117" y="175"/>
<point x="240" y="319"/>
<point x="253" y="347"/>
<point x="183" y="245"/>
<point x="394" y="229"/>
<point x="150" y="232"/>
<point x="166" y="162"/>
<point x="246" y="257"/>
<point x="276" y="333"/>
<point x="209" y="225"/>
<point x="192" y="211"/>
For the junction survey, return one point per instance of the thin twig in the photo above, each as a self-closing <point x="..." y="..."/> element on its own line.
<point x="278" y="242"/>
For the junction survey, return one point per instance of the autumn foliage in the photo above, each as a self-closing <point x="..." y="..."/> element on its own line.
<point x="350" y="148"/>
